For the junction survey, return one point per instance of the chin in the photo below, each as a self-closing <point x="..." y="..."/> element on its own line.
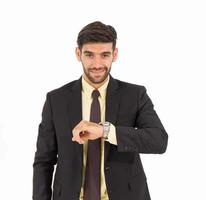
<point x="97" y="80"/>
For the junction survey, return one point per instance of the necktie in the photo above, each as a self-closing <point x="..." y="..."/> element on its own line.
<point x="93" y="166"/>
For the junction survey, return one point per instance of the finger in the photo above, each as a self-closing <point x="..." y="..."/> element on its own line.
<point x="81" y="126"/>
<point x="77" y="138"/>
<point x="78" y="129"/>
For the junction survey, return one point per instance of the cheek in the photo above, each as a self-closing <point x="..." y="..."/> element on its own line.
<point x="108" y="63"/>
<point x="86" y="63"/>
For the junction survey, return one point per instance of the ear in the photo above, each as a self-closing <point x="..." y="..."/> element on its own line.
<point x="78" y="53"/>
<point x="115" y="54"/>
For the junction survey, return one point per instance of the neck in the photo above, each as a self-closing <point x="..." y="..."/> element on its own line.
<point x="95" y="85"/>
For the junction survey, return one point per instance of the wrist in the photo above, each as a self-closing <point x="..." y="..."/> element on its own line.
<point x="106" y="129"/>
<point x="101" y="130"/>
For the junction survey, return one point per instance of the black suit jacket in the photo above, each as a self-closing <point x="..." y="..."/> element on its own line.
<point x="138" y="130"/>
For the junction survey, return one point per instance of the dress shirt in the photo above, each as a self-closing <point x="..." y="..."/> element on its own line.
<point x="86" y="105"/>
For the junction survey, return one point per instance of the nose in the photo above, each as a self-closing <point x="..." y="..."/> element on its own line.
<point x="97" y="61"/>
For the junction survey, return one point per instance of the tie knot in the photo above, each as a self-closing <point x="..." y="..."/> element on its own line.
<point x="95" y="94"/>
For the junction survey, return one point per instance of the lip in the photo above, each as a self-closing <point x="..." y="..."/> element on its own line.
<point x="97" y="71"/>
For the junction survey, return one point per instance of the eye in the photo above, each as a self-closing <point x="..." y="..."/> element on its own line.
<point x="105" y="55"/>
<point x="89" y="55"/>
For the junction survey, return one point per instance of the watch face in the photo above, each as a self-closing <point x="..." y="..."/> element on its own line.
<point x="107" y="123"/>
<point x="106" y="127"/>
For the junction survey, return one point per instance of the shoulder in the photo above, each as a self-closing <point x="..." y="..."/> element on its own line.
<point x="131" y="92"/>
<point x="64" y="89"/>
<point x="132" y="87"/>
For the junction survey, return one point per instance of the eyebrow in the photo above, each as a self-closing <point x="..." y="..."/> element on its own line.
<point x="104" y="52"/>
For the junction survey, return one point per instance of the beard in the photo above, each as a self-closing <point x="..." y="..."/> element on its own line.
<point x="102" y="74"/>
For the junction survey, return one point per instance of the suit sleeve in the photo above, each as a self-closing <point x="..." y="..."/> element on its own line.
<point x="45" y="156"/>
<point x="148" y="135"/>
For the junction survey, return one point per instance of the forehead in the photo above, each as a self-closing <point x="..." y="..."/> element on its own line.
<point x="98" y="47"/>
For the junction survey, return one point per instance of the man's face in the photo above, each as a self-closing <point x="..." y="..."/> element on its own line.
<point x="96" y="59"/>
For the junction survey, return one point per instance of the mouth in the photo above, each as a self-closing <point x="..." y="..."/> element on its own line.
<point x="97" y="72"/>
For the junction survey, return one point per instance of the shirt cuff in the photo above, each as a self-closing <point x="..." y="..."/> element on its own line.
<point x="112" y="135"/>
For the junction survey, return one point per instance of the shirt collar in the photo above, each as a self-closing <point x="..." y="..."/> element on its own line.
<point x="88" y="89"/>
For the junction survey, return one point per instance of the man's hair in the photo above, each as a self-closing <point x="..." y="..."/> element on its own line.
<point x="96" y="32"/>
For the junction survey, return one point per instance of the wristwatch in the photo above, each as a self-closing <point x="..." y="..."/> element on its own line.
<point x="106" y="128"/>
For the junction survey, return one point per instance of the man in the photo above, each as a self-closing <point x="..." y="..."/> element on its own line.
<point x="94" y="128"/>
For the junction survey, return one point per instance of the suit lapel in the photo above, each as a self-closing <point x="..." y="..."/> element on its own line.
<point x="112" y="101"/>
<point x="75" y="112"/>
<point x="75" y="104"/>
<point x="112" y="106"/>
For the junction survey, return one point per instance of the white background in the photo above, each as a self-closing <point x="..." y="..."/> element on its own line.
<point x="162" y="45"/>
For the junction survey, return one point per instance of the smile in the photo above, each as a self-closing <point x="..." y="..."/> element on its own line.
<point x="97" y="71"/>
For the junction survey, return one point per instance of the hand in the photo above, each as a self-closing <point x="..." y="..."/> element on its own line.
<point x="86" y="130"/>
